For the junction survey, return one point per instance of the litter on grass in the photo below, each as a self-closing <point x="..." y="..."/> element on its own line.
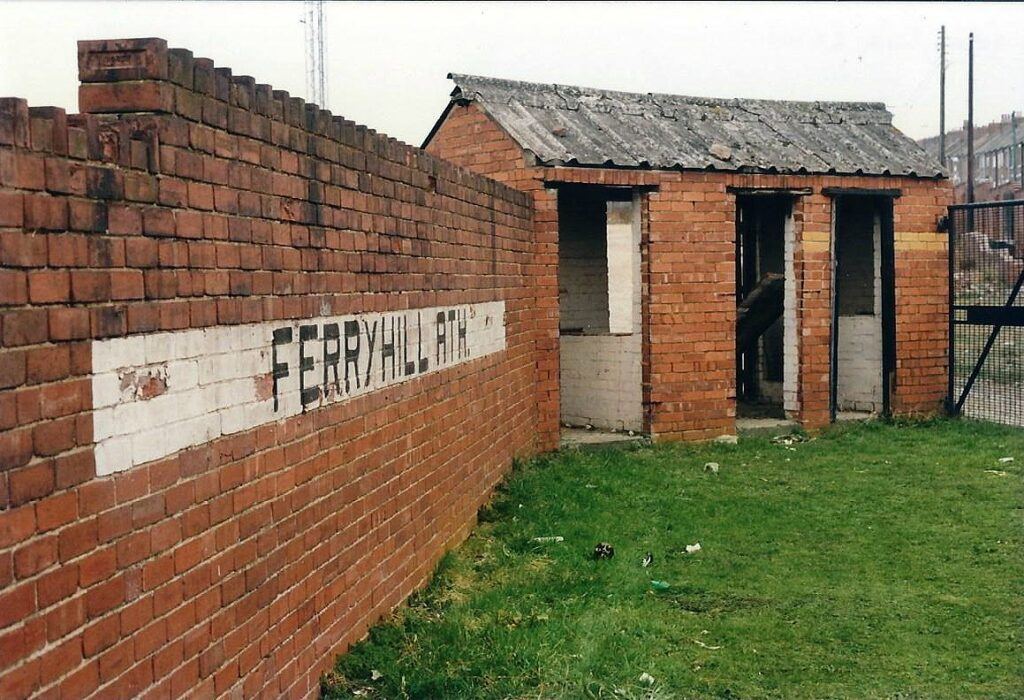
<point x="702" y="645"/>
<point x="1005" y="460"/>
<point x="552" y="538"/>
<point x="603" y="550"/>
<point x="711" y="467"/>
<point x="647" y="679"/>
<point x="693" y="548"/>
<point x="660" y="585"/>
<point x="790" y="439"/>
<point x="647" y="560"/>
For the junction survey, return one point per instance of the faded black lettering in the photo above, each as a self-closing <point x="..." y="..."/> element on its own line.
<point x="424" y="362"/>
<point x="387" y="349"/>
<point x="408" y="365"/>
<point x="279" y="370"/>
<point x="441" y="339"/>
<point x="306" y="394"/>
<point x="451" y="331"/>
<point x="331" y="357"/>
<point x="371" y="337"/>
<point x="351" y="354"/>
<point x="463" y="322"/>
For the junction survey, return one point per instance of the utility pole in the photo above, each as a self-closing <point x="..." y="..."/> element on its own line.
<point x="1013" y="146"/>
<point x="316" y="53"/>
<point x="942" y="96"/>
<point x="970" y="121"/>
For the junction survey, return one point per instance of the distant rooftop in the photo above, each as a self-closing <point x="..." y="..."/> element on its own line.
<point x="566" y="125"/>
<point x="988" y="138"/>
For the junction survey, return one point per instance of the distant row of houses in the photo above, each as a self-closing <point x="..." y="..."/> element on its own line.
<point x="998" y="158"/>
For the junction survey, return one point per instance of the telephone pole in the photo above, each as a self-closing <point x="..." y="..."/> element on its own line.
<point x="942" y="96"/>
<point x="970" y="119"/>
<point x="1013" y="146"/>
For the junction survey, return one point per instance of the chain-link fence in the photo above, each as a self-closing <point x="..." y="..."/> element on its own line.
<point x="987" y="306"/>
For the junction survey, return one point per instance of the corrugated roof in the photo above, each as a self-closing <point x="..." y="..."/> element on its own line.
<point x="566" y="125"/>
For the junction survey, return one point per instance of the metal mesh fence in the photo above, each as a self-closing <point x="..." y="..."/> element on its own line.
<point x="987" y="367"/>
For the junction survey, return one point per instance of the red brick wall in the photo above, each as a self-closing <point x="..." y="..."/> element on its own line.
<point x="188" y="198"/>
<point x="471" y="139"/>
<point x="689" y="277"/>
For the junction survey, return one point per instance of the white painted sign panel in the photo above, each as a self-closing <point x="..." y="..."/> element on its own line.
<point x="157" y="393"/>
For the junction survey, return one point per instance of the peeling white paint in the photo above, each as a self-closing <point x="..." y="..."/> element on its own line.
<point x="159" y="393"/>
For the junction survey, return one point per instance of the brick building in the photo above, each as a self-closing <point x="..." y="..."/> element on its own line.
<point x="690" y="244"/>
<point x="998" y="159"/>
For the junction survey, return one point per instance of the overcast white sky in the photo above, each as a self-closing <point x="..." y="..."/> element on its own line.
<point x="388" y="61"/>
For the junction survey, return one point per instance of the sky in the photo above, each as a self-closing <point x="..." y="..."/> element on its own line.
<point x="387" y="62"/>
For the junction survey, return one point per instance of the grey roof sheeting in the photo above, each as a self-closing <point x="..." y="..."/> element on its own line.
<point x="566" y="125"/>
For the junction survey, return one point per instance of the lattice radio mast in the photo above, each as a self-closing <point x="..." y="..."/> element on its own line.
<point x="316" y="53"/>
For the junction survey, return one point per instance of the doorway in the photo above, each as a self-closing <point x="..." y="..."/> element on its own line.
<point x="765" y="307"/>
<point x="599" y="300"/>
<point x="863" y="307"/>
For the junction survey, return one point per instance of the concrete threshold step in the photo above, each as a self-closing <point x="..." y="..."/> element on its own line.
<point x="583" y="438"/>
<point x="766" y="426"/>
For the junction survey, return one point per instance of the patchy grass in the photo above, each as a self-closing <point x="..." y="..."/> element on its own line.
<point x="874" y="561"/>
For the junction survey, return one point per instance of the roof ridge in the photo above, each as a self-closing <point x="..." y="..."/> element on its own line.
<point x="459" y="78"/>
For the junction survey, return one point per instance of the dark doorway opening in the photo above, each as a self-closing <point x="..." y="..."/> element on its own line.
<point x="762" y="227"/>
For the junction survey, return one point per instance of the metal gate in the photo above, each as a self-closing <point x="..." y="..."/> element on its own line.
<point x="986" y="325"/>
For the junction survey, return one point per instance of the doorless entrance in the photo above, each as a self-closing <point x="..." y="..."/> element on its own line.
<point x="863" y="305"/>
<point x="599" y="300"/>
<point x="765" y="306"/>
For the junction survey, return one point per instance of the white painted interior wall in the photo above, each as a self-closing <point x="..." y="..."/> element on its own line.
<point x="859" y="370"/>
<point x="790" y="329"/>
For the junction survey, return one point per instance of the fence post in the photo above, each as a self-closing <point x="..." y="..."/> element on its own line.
<point x="951" y="408"/>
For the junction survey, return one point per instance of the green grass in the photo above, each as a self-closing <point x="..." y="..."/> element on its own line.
<point x="874" y="561"/>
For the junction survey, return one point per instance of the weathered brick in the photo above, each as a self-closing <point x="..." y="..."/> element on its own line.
<point x="48" y="363"/>
<point x="12" y="368"/>
<point x="87" y="216"/>
<point x="34" y="556"/>
<point x="56" y="510"/>
<point x="16" y="525"/>
<point x="49" y="286"/>
<point x="18" y="249"/>
<point x="45" y="212"/>
<point x="145" y="96"/>
<point x="24" y="327"/>
<point x="68" y="323"/>
<point x="21" y="170"/>
<point x="111" y="60"/>
<point x="14" y="122"/>
<point x="12" y="210"/>
<point x="57" y="585"/>
<point x="90" y="285"/>
<point x="31" y="482"/>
